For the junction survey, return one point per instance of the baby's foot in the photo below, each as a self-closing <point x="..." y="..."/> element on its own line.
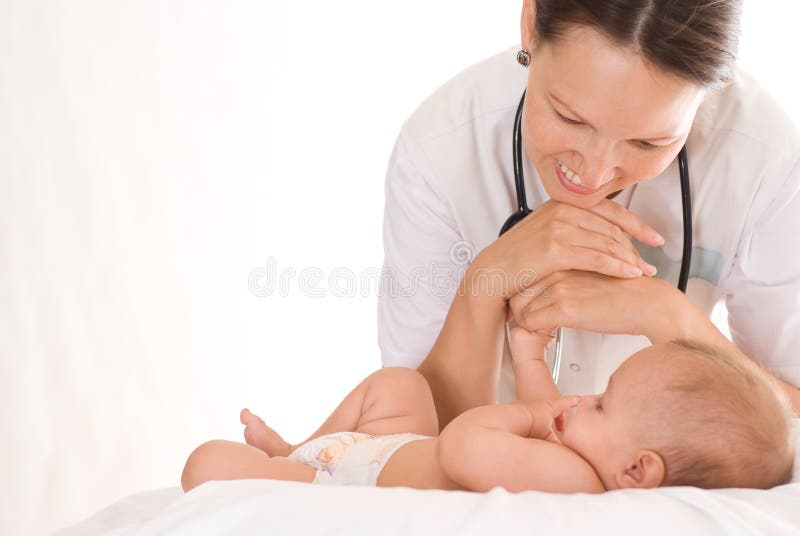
<point x="261" y="436"/>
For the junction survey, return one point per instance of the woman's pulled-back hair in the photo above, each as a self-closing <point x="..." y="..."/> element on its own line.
<point x="696" y="40"/>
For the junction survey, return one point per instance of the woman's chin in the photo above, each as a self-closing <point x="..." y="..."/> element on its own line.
<point x="580" y="201"/>
<point x="557" y="192"/>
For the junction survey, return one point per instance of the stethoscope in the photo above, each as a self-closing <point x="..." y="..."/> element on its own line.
<point x="523" y="210"/>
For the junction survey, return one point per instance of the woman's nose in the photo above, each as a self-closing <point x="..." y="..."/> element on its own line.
<point x="599" y="165"/>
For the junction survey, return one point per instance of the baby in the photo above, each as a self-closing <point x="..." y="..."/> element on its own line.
<point x="674" y="414"/>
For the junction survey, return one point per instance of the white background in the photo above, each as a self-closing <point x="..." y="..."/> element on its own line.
<point x="153" y="154"/>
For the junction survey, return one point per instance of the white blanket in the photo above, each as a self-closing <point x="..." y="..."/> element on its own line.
<point x="244" y="507"/>
<point x="274" y="507"/>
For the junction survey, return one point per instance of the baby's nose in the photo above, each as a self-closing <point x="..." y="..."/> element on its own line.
<point x="586" y="401"/>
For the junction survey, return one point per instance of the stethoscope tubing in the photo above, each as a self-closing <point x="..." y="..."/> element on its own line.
<point x="523" y="210"/>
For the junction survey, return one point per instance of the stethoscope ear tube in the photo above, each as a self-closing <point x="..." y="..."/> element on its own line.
<point x="519" y="176"/>
<point x="522" y="203"/>
<point x="523" y="210"/>
<point x="686" y="203"/>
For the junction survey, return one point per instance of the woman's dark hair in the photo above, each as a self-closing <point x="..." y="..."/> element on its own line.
<point x="696" y="40"/>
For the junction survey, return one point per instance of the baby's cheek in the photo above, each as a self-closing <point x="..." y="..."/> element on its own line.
<point x="571" y="431"/>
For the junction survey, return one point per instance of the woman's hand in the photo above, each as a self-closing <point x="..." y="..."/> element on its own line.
<point x="603" y="304"/>
<point x="557" y="236"/>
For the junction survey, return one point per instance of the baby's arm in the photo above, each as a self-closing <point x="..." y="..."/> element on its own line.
<point x="504" y="445"/>
<point x="532" y="376"/>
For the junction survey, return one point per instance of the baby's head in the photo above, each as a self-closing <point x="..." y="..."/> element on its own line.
<point x="685" y="414"/>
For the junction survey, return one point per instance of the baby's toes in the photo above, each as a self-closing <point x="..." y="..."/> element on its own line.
<point x="244" y="416"/>
<point x="247" y="418"/>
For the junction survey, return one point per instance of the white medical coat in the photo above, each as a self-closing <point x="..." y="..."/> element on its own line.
<point x="450" y="187"/>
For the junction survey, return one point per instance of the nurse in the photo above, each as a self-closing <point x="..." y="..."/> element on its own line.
<point x="613" y="92"/>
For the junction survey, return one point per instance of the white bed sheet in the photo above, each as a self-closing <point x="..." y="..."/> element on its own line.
<point x="272" y="507"/>
<point x="245" y="507"/>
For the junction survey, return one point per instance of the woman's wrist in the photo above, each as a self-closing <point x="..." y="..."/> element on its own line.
<point x="676" y="317"/>
<point x="492" y="276"/>
<point x="485" y="283"/>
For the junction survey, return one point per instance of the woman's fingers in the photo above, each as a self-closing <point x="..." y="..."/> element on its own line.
<point x="524" y="297"/>
<point x="622" y="250"/>
<point x="559" y="237"/>
<point x="628" y="222"/>
<point x="589" y="301"/>
<point x="518" y="303"/>
<point x="595" y="232"/>
<point x="591" y="260"/>
<point x="544" y="301"/>
<point x="574" y="298"/>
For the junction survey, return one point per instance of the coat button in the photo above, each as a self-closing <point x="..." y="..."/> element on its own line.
<point x="574" y="367"/>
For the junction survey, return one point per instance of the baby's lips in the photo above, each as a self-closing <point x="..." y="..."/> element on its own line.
<point x="560" y="423"/>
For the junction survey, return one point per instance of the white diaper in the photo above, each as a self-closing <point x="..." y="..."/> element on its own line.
<point x="350" y="458"/>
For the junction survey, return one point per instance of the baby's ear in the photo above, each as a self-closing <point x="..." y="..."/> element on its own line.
<point x="647" y="470"/>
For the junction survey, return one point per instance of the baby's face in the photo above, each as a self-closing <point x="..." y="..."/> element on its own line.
<point x="600" y="428"/>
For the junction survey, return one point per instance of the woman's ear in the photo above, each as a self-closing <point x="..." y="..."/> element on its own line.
<point x="647" y="470"/>
<point x="528" y="24"/>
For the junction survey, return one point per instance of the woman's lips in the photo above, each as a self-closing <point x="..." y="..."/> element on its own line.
<point x="567" y="184"/>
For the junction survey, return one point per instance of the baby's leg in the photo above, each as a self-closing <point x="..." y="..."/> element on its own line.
<point x="228" y="460"/>
<point x="391" y="400"/>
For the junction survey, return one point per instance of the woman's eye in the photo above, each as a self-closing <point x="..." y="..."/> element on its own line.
<point x="642" y="144"/>
<point x="568" y="120"/>
<point x="647" y="146"/>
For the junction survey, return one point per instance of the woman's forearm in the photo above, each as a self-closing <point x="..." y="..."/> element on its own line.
<point x="707" y="332"/>
<point x="671" y="315"/>
<point x="680" y="318"/>
<point x="463" y="367"/>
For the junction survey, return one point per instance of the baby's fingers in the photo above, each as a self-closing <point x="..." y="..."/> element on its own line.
<point x="560" y="405"/>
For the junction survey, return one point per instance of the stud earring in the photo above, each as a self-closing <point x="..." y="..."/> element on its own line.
<point x="523" y="58"/>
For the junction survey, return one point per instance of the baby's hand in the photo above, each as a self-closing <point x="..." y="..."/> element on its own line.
<point x="526" y="345"/>
<point x="548" y="417"/>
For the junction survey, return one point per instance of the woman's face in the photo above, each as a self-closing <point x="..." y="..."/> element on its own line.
<point x="600" y="110"/>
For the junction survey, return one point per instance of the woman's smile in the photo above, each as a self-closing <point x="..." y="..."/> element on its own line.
<point x="573" y="183"/>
